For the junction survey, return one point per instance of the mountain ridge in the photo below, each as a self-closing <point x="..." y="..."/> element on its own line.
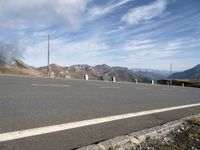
<point x="98" y="72"/>
<point x="192" y="73"/>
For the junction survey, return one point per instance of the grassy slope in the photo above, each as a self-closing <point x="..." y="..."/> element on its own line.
<point x="20" y="71"/>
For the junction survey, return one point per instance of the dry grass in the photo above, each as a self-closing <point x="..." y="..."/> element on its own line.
<point x="196" y="120"/>
<point x="20" y="71"/>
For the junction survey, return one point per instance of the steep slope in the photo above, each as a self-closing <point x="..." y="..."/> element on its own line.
<point x="193" y="73"/>
<point x="18" y="67"/>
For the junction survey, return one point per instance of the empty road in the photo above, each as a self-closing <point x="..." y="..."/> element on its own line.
<point x="59" y="114"/>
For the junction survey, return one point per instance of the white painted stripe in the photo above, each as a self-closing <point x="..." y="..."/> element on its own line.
<point x="51" y="85"/>
<point x="66" y="126"/>
<point x="141" y="88"/>
<point x="109" y="87"/>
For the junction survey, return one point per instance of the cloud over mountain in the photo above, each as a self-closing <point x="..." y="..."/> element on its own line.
<point x="132" y="33"/>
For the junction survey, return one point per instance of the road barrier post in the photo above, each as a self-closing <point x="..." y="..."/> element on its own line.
<point x="136" y="81"/>
<point x="114" y="79"/>
<point x="86" y="77"/>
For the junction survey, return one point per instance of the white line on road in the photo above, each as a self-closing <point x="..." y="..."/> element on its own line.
<point x="109" y="87"/>
<point x="66" y="126"/>
<point x="51" y="85"/>
<point x="141" y="88"/>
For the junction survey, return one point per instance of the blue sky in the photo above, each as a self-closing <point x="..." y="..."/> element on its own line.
<point x="130" y="33"/>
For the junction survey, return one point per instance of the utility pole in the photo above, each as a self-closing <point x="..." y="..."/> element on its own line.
<point x="48" y="59"/>
<point x="171" y="80"/>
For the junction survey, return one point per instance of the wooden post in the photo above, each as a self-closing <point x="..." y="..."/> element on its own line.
<point x="48" y="59"/>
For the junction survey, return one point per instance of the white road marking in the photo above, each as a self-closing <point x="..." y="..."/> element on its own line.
<point x="66" y="126"/>
<point x="109" y="87"/>
<point x="51" y="85"/>
<point x="141" y="88"/>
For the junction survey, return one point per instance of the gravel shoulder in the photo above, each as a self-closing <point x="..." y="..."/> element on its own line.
<point x="183" y="134"/>
<point x="187" y="137"/>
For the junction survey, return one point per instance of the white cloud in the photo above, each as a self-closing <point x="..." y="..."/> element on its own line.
<point x="119" y="28"/>
<point x="62" y="52"/>
<point x="22" y="14"/>
<point x="144" y="13"/>
<point x="34" y="13"/>
<point x="86" y="48"/>
<point x="97" y="11"/>
<point x="159" y="54"/>
<point x="71" y="10"/>
<point x="149" y="49"/>
<point x="135" y="45"/>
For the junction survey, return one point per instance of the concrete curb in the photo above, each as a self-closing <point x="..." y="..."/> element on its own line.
<point x="131" y="140"/>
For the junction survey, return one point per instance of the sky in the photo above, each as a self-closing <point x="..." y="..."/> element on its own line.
<point x="130" y="33"/>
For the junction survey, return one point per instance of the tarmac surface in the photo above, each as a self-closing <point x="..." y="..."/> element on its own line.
<point x="27" y="103"/>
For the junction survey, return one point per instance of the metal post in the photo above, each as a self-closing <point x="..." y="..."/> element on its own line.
<point x="48" y="59"/>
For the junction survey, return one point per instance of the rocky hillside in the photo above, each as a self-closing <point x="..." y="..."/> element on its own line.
<point x="99" y="72"/>
<point x="18" y="67"/>
<point x="193" y="73"/>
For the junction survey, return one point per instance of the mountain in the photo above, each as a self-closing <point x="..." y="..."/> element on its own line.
<point x="160" y="72"/>
<point x="193" y="73"/>
<point x="19" y="63"/>
<point x="98" y="72"/>
<point x="152" y="74"/>
<point x="121" y="74"/>
<point x="58" y="70"/>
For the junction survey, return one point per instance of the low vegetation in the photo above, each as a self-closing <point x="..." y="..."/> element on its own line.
<point x="196" y="120"/>
<point x="20" y="71"/>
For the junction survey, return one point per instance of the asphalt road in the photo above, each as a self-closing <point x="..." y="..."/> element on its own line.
<point x="27" y="103"/>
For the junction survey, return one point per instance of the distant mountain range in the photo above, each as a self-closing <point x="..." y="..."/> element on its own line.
<point x="98" y="72"/>
<point x="152" y="74"/>
<point x="193" y="74"/>
<point x="161" y="72"/>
